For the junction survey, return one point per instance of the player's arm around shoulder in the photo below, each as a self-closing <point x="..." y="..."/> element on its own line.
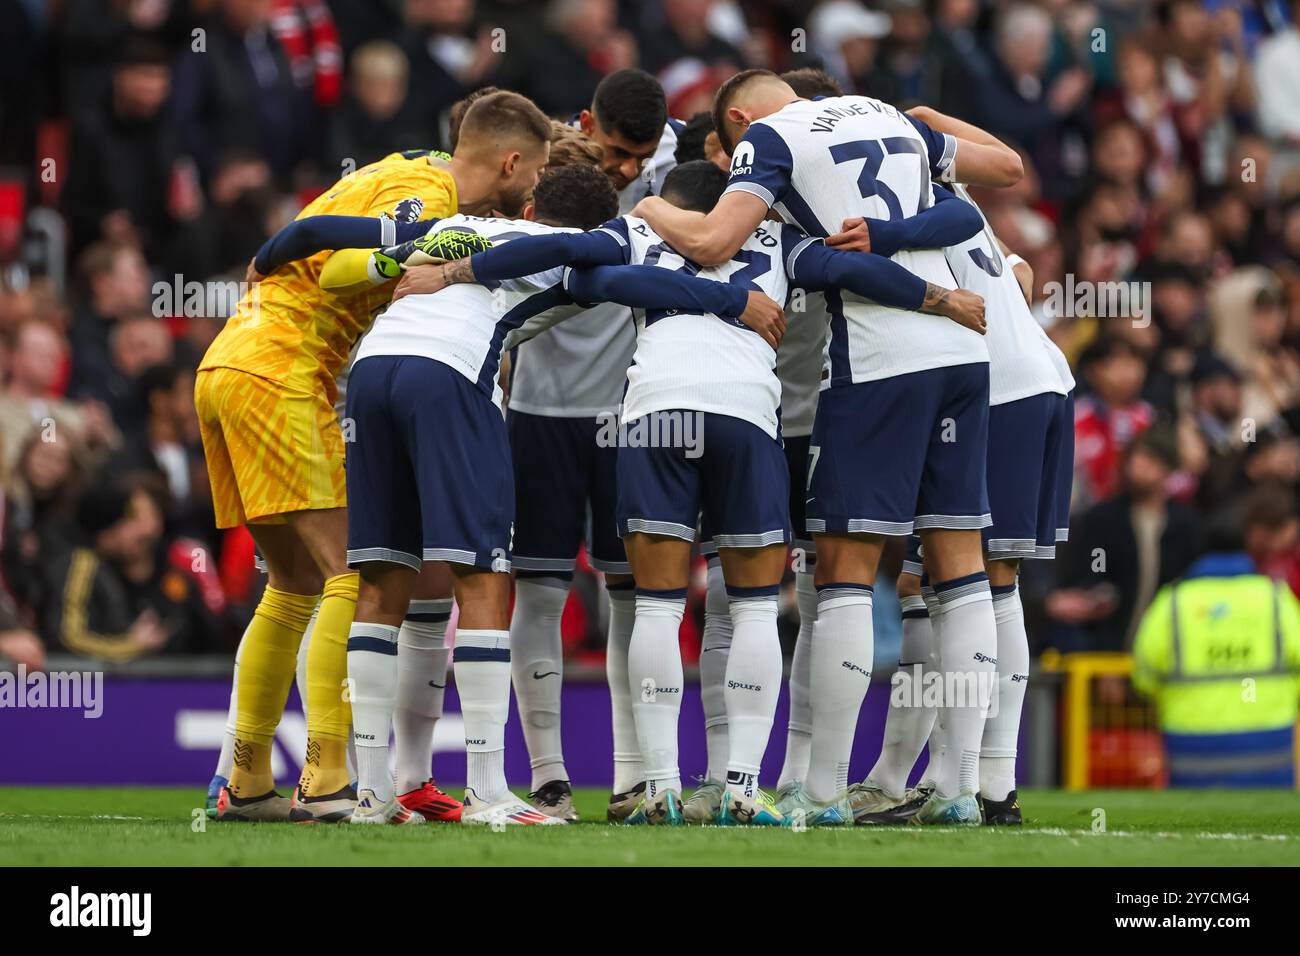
<point x="349" y="271"/>
<point x="708" y="239"/>
<point x="981" y="159"/>
<point x="1021" y="269"/>
<point x="411" y="202"/>
<point x="525" y="256"/>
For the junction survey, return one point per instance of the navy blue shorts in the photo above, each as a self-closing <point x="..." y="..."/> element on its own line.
<point x="565" y="494"/>
<point x="429" y="475"/>
<point x="737" y="478"/>
<point x="1065" y="466"/>
<point x="796" y="462"/>
<point x="901" y="453"/>
<point x="1023" y="474"/>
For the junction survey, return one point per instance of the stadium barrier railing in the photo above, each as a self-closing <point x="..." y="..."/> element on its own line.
<point x="1109" y="734"/>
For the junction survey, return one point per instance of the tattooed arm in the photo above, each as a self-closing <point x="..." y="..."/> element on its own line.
<point x="525" y="256"/>
<point x="964" y="308"/>
<point x="812" y="265"/>
<point x="423" y="280"/>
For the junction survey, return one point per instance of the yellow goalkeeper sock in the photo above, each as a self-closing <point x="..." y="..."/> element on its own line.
<point x="329" y="714"/>
<point x="266" y="666"/>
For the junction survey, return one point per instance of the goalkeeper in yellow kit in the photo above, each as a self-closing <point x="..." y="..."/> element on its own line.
<point x="265" y="395"/>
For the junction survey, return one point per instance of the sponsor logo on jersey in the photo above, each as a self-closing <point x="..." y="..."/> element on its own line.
<point x="409" y="210"/>
<point x="742" y="160"/>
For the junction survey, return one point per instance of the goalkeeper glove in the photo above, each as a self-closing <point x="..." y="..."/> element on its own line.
<point x="433" y="247"/>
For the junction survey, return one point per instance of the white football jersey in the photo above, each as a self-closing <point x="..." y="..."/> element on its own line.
<point x="800" y="362"/>
<point x="467" y="326"/>
<point x="1059" y="361"/>
<point x="819" y="162"/>
<point x="707" y="363"/>
<point x="578" y="369"/>
<point x="1019" y="366"/>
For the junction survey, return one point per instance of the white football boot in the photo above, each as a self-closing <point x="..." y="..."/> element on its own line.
<point x="370" y="809"/>
<point x="508" y="811"/>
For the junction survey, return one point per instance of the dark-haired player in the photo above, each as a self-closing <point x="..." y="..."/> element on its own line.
<point x="1030" y="467"/>
<point x="698" y="140"/>
<point x="739" y="480"/>
<point x="566" y="385"/>
<point x="799" y="364"/>
<point x="431" y="480"/>
<point x="265" y="393"/>
<point x="902" y="389"/>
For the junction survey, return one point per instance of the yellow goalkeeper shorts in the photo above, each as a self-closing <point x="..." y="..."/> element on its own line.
<point x="270" y="450"/>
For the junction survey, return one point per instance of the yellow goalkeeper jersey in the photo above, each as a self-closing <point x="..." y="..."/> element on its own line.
<point x="286" y="329"/>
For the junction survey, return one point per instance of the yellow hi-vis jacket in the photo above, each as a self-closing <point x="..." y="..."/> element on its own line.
<point x="1220" y="655"/>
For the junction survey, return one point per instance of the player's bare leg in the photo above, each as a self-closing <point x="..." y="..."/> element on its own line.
<point x="997" y="773"/>
<point x="482" y="662"/>
<point x="966" y="641"/>
<point x="382" y="600"/>
<point x="753" y="679"/>
<point x="422" y="659"/>
<point x="269" y="652"/>
<point x="325" y="789"/>
<point x="661" y="567"/>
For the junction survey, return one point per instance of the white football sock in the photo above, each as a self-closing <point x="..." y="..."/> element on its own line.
<point x="226" y="759"/>
<point x="537" y="666"/>
<point x="482" y="668"/>
<point x="908" y="723"/>
<point x="753" y="683"/>
<point x="372" y="683"/>
<point x="937" y="739"/>
<point x="798" y="736"/>
<point x="715" y="648"/>
<point x="421" y="685"/>
<point x="1002" y="729"/>
<point x="628" y="769"/>
<point x="841" y="673"/>
<point x="969" y="665"/>
<point x="654" y="664"/>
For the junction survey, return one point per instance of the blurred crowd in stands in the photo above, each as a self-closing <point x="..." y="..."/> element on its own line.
<point x="146" y="144"/>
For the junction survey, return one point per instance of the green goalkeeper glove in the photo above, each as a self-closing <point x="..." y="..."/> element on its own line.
<point x="433" y="247"/>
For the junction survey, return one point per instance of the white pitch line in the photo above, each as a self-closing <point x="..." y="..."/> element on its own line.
<point x="69" y="816"/>
<point x="1074" y="834"/>
<point x="933" y="830"/>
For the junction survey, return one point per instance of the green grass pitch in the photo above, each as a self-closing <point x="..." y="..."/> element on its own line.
<point x="157" y="827"/>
